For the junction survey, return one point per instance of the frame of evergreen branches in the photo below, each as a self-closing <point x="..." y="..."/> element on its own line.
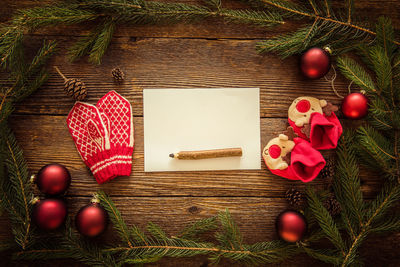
<point x="376" y="69"/>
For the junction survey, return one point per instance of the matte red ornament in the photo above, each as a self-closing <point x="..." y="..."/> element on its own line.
<point x="291" y="225"/>
<point x="315" y="63"/>
<point x="355" y="106"/>
<point x="91" y="220"/>
<point x="53" y="179"/>
<point x="49" y="214"/>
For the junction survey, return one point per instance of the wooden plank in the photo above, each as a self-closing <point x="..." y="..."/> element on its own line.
<point x="254" y="216"/>
<point x="180" y="63"/>
<point x="45" y="139"/>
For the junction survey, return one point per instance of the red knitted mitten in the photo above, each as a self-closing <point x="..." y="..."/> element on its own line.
<point x="293" y="158"/>
<point x="118" y="112"/>
<point x="92" y="140"/>
<point x="315" y="120"/>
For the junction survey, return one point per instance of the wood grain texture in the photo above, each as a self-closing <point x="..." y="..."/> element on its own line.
<point x="202" y="55"/>
<point x="45" y="139"/>
<point x="180" y="63"/>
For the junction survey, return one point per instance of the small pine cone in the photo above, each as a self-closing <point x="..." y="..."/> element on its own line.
<point x="118" y="75"/>
<point x="332" y="205"/>
<point x="294" y="197"/>
<point x="75" y="88"/>
<point x="329" y="170"/>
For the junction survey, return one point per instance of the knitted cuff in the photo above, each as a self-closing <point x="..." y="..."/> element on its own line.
<point x="123" y="160"/>
<point x="102" y="166"/>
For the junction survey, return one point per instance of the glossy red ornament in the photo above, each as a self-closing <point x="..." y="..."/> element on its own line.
<point x="53" y="179"/>
<point x="91" y="220"/>
<point x="291" y="225"/>
<point x="49" y="214"/>
<point x="355" y="106"/>
<point x="315" y="63"/>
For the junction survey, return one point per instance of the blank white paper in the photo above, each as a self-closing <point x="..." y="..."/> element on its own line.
<point x="197" y="119"/>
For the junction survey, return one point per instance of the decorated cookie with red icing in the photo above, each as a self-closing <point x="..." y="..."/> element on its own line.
<point x="315" y="121"/>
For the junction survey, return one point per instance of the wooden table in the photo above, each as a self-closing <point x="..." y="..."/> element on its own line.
<point x="208" y="54"/>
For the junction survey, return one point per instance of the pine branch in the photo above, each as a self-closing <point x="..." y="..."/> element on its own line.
<point x="230" y="236"/>
<point x="202" y="226"/>
<point x="325" y="220"/>
<point x="86" y="251"/>
<point x="17" y="191"/>
<point x="51" y="15"/>
<point x="354" y="72"/>
<point x="385" y="36"/>
<point x="102" y="42"/>
<point x="115" y="217"/>
<point x="347" y="184"/>
<point x="328" y="256"/>
<point x="382" y="68"/>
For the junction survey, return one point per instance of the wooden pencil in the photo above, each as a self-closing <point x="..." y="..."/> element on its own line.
<point x="207" y="154"/>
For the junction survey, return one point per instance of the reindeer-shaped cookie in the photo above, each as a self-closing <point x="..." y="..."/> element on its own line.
<point x="276" y="153"/>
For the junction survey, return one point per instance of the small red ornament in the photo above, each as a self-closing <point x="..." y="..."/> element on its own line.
<point x="315" y="62"/>
<point x="91" y="220"/>
<point x="53" y="179"/>
<point x="291" y="225"/>
<point x="355" y="106"/>
<point x="50" y="213"/>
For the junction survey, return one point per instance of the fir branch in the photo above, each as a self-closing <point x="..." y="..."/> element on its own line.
<point x="354" y="72"/>
<point x="83" y="46"/>
<point x="102" y="42"/>
<point x="385" y="36"/>
<point x="382" y="68"/>
<point x="230" y="237"/>
<point x="86" y="251"/>
<point x="115" y="217"/>
<point x="194" y="230"/>
<point x="325" y="220"/>
<point x="19" y="190"/>
<point x="379" y="147"/>
<point x="326" y="255"/>
<point x="64" y="13"/>
<point x="291" y="8"/>
<point x="347" y="183"/>
<point x="261" y="18"/>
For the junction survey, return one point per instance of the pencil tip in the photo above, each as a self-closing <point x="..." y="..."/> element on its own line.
<point x="171" y="155"/>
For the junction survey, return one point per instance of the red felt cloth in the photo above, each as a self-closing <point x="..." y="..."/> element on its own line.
<point x="306" y="162"/>
<point x="325" y="131"/>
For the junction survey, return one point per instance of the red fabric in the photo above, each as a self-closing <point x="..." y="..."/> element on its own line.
<point x="91" y="138"/>
<point x="325" y="131"/>
<point x="306" y="162"/>
<point x="118" y="112"/>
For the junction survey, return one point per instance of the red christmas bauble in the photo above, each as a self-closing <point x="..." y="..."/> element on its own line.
<point x="291" y="225"/>
<point x="315" y="63"/>
<point x="91" y="220"/>
<point x="53" y="179"/>
<point x="355" y="106"/>
<point x="49" y="214"/>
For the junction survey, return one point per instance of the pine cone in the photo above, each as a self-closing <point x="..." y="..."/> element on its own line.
<point x="74" y="88"/>
<point x="329" y="170"/>
<point x="118" y="75"/>
<point x="294" y="197"/>
<point x="332" y="205"/>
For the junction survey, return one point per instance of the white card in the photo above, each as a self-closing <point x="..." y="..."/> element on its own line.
<point x="198" y="119"/>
